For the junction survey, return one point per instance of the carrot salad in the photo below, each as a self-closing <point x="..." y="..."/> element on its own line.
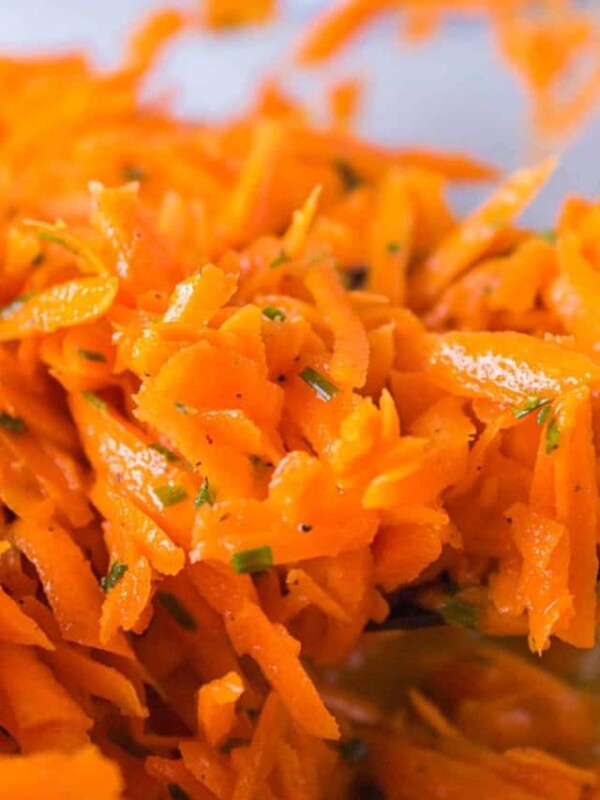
<point x="256" y="377"/>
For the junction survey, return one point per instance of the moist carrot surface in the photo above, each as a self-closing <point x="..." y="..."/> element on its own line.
<point x="257" y="382"/>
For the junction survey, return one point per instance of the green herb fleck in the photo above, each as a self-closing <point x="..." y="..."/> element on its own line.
<point x="93" y="398"/>
<point x="176" y="792"/>
<point x="548" y="236"/>
<point x="347" y="174"/>
<point x="354" y="278"/>
<point x="113" y="576"/>
<point x="273" y="313"/>
<point x="394" y="247"/>
<point x="183" y="409"/>
<point x="12" y="424"/>
<point x="54" y="239"/>
<point x="324" y="388"/>
<point x="542" y="415"/>
<point x="38" y="259"/>
<point x="177" y="610"/>
<point x="552" y="436"/>
<point x="126" y="742"/>
<point x="282" y="258"/>
<point x="206" y="494"/>
<point x="232" y="744"/>
<point x="132" y="173"/>
<point x="532" y="404"/>
<point x="164" y="451"/>
<point x="169" y="494"/>
<point x="458" y="612"/>
<point x="16" y="304"/>
<point x="250" y="561"/>
<point x="91" y="355"/>
<point x="51" y="237"/>
<point x="353" y="751"/>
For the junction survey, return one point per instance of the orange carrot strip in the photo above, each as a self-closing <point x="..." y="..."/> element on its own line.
<point x="577" y="508"/>
<point x="68" y="581"/>
<point x="270" y="645"/>
<point x="120" y="452"/>
<point x="339" y="24"/>
<point x="61" y="306"/>
<point x="463" y="246"/>
<point x="139" y="256"/>
<point x="61" y="776"/>
<point x="97" y="679"/>
<point x="208" y="767"/>
<point x="575" y="292"/>
<point x="153" y="543"/>
<point x="392" y="237"/>
<point x="351" y="348"/>
<point x="216" y="706"/>
<point x="25" y="680"/>
<point x="16" y="626"/>
<point x="260" y="758"/>
<point x="507" y="367"/>
<point x="169" y="772"/>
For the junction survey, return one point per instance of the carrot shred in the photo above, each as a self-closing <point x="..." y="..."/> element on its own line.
<point x="260" y="387"/>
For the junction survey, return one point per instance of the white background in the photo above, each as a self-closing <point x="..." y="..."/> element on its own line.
<point x="452" y="92"/>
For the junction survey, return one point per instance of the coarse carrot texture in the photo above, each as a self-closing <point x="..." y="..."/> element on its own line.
<point x="237" y="412"/>
<point x="58" y="776"/>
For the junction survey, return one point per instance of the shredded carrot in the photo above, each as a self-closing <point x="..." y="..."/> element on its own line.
<point x="258" y="385"/>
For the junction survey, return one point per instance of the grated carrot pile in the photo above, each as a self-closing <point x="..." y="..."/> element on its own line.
<point x="253" y="377"/>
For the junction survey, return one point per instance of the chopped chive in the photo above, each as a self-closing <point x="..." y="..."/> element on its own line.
<point x="353" y="751"/>
<point x="347" y="174"/>
<point x="176" y="792"/>
<point x="552" y="436"/>
<point x="51" y="237"/>
<point x="532" y="404"/>
<point x="126" y="742"/>
<point x="206" y="494"/>
<point x="164" y="451"/>
<point x="91" y="355"/>
<point x="54" y="239"/>
<point x="548" y="236"/>
<point x="183" y="409"/>
<point x="324" y="388"/>
<point x="177" y="610"/>
<point x="394" y="247"/>
<point x="355" y="278"/>
<point x="542" y="415"/>
<point x="93" y="398"/>
<point x="458" y="612"/>
<point x="12" y="424"/>
<point x="132" y="173"/>
<point x="279" y="260"/>
<point x="169" y="494"/>
<point x="16" y="303"/>
<point x="273" y="313"/>
<point x="113" y="576"/>
<point x="250" y="561"/>
<point x="232" y="744"/>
